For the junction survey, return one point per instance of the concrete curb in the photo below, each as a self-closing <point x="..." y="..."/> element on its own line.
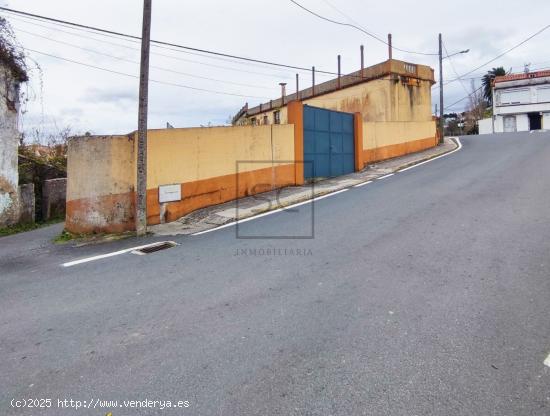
<point x="328" y="192"/>
<point x="201" y="226"/>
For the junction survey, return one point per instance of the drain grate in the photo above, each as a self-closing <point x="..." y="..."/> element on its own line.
<point x="152" y="248"/>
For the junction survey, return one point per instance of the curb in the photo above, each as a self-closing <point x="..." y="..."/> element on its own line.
<point x="281" y="207"/>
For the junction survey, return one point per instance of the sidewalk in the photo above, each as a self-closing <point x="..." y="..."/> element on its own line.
<point x="214" y="216"/>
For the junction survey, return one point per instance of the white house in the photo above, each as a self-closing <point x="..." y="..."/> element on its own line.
<point x="521" y="102"/>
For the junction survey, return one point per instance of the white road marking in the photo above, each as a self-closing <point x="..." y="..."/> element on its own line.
<point x="104" y="256"/>
<point x="362" y="184"/>
<point x="326" y="196"/>
<point x="547" y="361"/>
<point x="435" y="158"/>
<point x="270" y="212"/>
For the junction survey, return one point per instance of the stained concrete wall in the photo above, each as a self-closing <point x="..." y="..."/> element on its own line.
<point x="101" y="172"/>
<point x="26" y="203"/>
<point x="9" y="144"/>
<point x="100" y="184"/>
<point x="54" y="196"/>
<point x="394" y="102"/>
<point x="384" y="140"/>
<point x="210" y="165"/>
<point x="390" y="91"/>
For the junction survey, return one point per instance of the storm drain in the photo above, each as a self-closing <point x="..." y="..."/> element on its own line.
<point x="153" y="248"/>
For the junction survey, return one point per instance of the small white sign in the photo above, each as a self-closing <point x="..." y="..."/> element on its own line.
<point x="169" y="193"/>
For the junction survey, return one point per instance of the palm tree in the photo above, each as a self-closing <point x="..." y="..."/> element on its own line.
<point x="488" y="81"/>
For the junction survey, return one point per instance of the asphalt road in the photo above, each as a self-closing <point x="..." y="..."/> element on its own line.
<point x="424" y="293"/>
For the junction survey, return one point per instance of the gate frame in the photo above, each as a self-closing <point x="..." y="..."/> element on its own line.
<point x="296" y="116"/>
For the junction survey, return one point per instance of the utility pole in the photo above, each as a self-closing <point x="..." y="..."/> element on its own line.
<point x="441" y="108"/>
<point x="141" y="202"/>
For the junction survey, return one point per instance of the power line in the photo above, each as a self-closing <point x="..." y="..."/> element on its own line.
<point x="520" y="67"/>
<point x="503" y="53"/>
<point x="358" y="28"/>
<point x="137" y="77"/>
<point x="154" y="53"/>
<point x="112" y="32"/>
<point x="23" y="19"/>
<point x="137" y="62"/>
<point x="453" y="67"/>
<point x="463" y="98"/>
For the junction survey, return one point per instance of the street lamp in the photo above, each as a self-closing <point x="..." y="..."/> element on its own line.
<point x="441" y="108"/>
<point x="457" y="53"/>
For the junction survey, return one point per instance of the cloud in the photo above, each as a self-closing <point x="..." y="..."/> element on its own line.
<point x="118" y="96"/>
<point x="106" y="102"/>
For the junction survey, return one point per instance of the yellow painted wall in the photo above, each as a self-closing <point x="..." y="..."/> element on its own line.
<point x="380" y="134"/>
<point x="100" y="165"/>
<point x="260" y="120"/>
<point x="102" y="172"/>
<point x="101" y="179"/>
<point x="192" y="154"/>
<point x="379" y="100"/>
<point x="371" y="99"/>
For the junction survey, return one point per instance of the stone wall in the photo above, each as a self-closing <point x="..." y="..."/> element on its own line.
<point x="26" y="203"/>
<point x="54" y="194"/>
<point x="9" y="144"/>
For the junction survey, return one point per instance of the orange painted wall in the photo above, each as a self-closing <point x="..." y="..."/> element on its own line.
<point x="112" y="213"/>
<point x="358" y="139"/>
<point x="296" y="117"/>
<point x="395" y="150"/>
<point x="213" y="191"/>
<point x="102" y="172"/>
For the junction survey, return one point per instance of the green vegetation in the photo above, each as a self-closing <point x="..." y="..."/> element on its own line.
<point x="86" y="239"/>
<point x="487" y="82"/>
<point x="64" y="237"/>
<point x="21" y="228"/>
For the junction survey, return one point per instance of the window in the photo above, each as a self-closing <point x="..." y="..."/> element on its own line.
<point x="543" y="94"/>
<point x="266" y="120"/>
<point x="517" y="96"/>
<point x="410" y="68"/>
<point x="277" y="117"/>
<point x="253" y="121"/>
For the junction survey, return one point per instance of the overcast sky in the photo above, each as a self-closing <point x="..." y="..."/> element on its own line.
<point x="86" y="99"/>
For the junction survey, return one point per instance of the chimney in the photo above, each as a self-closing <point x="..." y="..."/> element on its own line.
<point x="312" y="80"/>
<point x="362" y="60"/>
<point x="283" y="91"/>
<point x="339" y="71"/>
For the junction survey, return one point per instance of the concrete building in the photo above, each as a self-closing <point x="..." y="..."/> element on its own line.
<point x="327" y="130"/>
<point x="385" y="95"/>
<point x="11" y="76"/>
<point x="521" y="102"/>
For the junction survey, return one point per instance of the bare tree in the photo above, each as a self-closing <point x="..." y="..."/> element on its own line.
<point x="477" y="106"/>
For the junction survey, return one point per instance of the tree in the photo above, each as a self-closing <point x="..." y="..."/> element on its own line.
<point x="476" y="109"/>
<point x="487" y="82"/>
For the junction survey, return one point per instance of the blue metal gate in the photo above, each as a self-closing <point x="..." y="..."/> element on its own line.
<point x="328" y="143"/>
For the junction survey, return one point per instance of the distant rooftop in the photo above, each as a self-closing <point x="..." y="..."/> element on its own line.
<point x="523" y="75"/>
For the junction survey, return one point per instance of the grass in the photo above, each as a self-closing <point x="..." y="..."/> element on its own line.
<point x="93" y="238"/>
<point x="64" y="237"/>
<point x="21" y="228"/>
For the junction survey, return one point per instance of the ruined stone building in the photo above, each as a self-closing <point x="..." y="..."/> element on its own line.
<point x="12" y="75"/>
